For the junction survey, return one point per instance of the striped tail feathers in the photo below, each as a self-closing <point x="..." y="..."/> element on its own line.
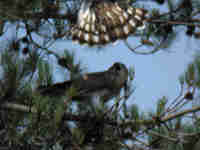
<point x="107" y="23"/>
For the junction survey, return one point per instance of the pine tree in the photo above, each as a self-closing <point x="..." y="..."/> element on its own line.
<point x="30" y="120"/>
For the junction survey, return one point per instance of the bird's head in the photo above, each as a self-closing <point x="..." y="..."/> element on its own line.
<point x="120" y="74"/>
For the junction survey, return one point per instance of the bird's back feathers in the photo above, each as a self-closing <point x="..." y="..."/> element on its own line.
<point x="104" y="84"/>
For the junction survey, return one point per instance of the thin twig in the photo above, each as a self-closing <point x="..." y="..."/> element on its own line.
<point x="176" y="22"/>
<point x="175" y="140"/>
<point x="139" y="52"/>
<point x="175" y="100"/>
<point x="179" y="114"/>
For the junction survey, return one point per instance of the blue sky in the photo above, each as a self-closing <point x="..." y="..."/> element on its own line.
<point x="156" y="75"/>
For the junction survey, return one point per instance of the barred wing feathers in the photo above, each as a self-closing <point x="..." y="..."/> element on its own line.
<point x="106" y="22"/>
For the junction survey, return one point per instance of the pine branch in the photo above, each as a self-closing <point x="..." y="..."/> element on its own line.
<point x="179" y="114"/>
<point x="190" y="22"/>
<point x="71" y="117"/>
<point x="18" y="107"/>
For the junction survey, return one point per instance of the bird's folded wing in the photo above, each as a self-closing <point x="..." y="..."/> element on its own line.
<point x="85" y="85"/>
<point x="57" y="89"/>
<point x="92" y="82"/>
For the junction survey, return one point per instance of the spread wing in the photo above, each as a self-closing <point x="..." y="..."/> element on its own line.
<point x="104" y="21"/>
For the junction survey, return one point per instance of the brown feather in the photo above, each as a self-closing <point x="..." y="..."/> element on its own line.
<point x="109" y="22"/>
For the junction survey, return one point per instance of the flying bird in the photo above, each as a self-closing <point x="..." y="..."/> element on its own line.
<point x="106" y="85"/>
<point x="100" y="22"/>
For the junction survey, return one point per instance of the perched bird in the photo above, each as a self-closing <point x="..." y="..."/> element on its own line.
<point x="106" y="85"/>
<point x="104" y="21"/>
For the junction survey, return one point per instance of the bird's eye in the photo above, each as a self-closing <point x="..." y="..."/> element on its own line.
<point x="118" y="67"/>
